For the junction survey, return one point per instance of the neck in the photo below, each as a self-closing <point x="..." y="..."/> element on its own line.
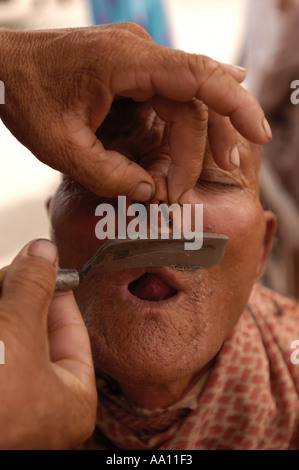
<point x="155" y="396"/>
<point x="160" y="396"/>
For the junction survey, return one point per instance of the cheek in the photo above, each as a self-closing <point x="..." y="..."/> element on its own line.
<point x="244" y="224"/>
<point x="235" y="276"/>
<point x="239" y="216"/>
<point x="241" y="223"/>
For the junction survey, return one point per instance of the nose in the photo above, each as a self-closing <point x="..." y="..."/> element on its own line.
<point x="158" y="167"/>
<point x="160" y="196"/>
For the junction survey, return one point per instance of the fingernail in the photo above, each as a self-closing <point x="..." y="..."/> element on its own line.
<point x="234" y="157"/>
<point x="43" y="249"/>
<point x="242" y="69"/>
<point x="143" y="192"/>
<point x="267" y="128"/>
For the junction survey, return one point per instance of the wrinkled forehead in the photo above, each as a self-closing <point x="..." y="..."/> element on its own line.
<point x="135" y="130"/>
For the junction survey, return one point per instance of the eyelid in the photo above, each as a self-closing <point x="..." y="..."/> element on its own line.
<point x="220" y="177"/>
<point x="217" y="183"/>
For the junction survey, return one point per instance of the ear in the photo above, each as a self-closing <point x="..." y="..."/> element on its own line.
<point x="270" y="229"/>
<point x="48" y="205"/>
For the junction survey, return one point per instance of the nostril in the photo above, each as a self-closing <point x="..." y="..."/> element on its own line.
<point x="165" y="213"/>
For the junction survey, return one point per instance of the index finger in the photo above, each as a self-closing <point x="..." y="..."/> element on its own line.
<point x="187" y="142"/>
<point x="180" y="76"/>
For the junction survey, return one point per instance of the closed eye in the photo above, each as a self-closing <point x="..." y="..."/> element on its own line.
<point x="216" y="184"/>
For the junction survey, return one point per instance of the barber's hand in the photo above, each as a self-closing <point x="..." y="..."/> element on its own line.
<point x="60" y="84"/>
<point x="47" y="389"/>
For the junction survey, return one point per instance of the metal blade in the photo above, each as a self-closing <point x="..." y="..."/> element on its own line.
<point x="116" y="255"/>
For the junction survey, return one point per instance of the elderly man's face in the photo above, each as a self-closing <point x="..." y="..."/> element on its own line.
<point x="148" y="342"/>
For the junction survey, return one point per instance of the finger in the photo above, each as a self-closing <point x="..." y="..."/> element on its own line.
<point x="187" y="142"/>
<point x="235" y="71"/>
<point x="29" y="284"/>
<point x="105" y="172"/>
<point x="180" y="77"/>
<point x="68" y="338"/>
<point x="223" y="142"/>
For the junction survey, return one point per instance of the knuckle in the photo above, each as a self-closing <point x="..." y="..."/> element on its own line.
<point x="198" y="109"/>
<point x="210" y="66"/>
<point x="136" y="29"/>
<point x="203" y="67"/>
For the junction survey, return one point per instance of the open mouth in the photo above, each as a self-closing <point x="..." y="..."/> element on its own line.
<point x="152" y="288"/>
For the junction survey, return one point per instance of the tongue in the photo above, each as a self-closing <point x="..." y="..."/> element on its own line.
<point x="151" y="287"/>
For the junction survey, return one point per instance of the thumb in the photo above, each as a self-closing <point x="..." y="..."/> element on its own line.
<point x="30" y="282"/>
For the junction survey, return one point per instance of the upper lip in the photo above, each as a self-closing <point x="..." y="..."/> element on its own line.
<point x="124" y="278"/>
<point x="168" y="275"/>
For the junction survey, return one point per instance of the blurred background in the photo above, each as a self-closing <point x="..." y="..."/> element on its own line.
<point x="259" y="35"/>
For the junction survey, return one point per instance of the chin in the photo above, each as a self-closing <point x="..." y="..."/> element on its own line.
<point x="157" y="325"/>
<point x="151" y="325"/>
